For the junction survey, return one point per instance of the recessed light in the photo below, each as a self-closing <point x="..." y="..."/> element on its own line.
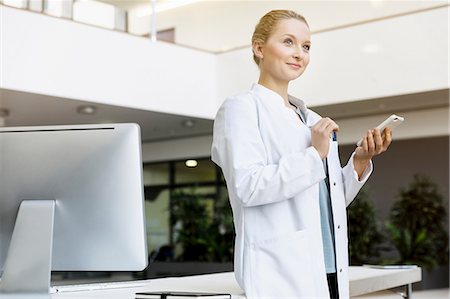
<point x="188" y="123"/>
<point x="191" y="163"/>
<point x="87" y="109"/>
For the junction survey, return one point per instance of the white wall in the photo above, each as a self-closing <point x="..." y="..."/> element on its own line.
<point x="412" y="57"/>
<point x="224" y="25"/>
<point x="51" y="56"/>
<point x="57" y="57"/>
<point x="418" y="124"/>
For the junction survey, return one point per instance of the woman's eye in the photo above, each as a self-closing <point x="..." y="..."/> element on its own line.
<point x="307" y="47"/>
<point x="288" y="42"/>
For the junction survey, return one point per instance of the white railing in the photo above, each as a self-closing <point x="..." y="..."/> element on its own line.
<point x="84" y="11"/>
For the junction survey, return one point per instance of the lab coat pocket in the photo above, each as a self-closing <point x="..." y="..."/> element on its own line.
<point x="283" y="267"/>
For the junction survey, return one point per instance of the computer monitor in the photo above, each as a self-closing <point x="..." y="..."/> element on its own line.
<point x="80" y="193"/>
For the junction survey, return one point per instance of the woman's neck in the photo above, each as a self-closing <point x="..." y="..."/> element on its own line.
<point x="279" y="88"/>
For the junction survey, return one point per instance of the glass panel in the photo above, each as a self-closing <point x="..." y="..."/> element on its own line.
<point x="157" y="222"/>
<point x="156" y="174"/>
<point x="202" y="225"/>
<point x="205" y="171"/>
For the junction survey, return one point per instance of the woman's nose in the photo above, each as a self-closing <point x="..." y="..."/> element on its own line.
<point x="298" y="54"/>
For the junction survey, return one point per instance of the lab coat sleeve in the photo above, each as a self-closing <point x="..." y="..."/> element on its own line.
<point x="239" y="150"/>
<point x="352" y="184"/>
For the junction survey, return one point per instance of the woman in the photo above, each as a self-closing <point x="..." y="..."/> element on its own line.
<point x="286" y="186"/>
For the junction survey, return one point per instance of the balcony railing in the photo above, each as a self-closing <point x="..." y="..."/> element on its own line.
<point x="84" y="11"/>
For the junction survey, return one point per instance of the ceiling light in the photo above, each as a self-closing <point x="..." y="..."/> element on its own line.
<point x="87" y="109"/>
<point x="191" y="163"/>
<point x="146" y="10"/>
<point x="4" y="112"/>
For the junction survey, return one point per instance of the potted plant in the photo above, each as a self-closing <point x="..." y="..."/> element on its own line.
<point x="417" y="226"/>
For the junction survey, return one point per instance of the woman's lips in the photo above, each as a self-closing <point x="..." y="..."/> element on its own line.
<point x="294" y="65"/>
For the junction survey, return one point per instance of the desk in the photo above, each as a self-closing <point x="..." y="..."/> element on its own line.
<point x="362" y="281"/>
<point x="367" y="280"/>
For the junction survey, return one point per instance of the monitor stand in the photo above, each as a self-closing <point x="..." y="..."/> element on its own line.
<point x="27" y="267"/>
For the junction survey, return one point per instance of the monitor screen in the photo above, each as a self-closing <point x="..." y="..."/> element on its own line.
<point x="92" y="176"/>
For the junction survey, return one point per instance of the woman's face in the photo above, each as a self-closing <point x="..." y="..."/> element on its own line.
<point x="285" y="54"/>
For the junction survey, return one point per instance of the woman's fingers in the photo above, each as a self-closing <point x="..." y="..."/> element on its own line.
<point x="378" y="140"/>
<point x="387" y="138"/>
<point x="320" y="135"/>
<point x="325" y="126"/>
<point x="375" y="143"/>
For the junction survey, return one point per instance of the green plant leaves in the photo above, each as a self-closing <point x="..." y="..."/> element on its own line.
<point x="364" y="231"/>
<point x="416" y="225"/>
<point x="203" y="227"/>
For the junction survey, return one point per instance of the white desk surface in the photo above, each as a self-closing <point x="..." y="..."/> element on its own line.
<point x="362" y="280"/>
<point x="367" y="280"/>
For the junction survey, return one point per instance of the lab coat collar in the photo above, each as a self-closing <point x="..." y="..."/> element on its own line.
<point x="274" y="99"/>
<point x="268" y="95"/>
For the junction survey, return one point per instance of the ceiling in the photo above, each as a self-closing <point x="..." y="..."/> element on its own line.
<point x="27" y="109"/>
<point x="386" y="105"/>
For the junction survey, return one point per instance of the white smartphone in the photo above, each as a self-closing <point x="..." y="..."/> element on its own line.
<point x="391" y="122"/>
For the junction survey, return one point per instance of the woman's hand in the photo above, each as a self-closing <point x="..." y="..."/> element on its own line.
<point x="320" y="135"/>
<point x="374" y="143"/>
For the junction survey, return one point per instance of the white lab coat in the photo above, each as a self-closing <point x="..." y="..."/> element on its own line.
<point x="272" y="174"/>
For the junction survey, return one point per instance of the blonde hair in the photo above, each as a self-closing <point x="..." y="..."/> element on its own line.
<point x="267" y="24"/>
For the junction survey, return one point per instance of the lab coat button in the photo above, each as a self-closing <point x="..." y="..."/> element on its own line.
<point x="339" y="226"/>
<point x="340" y="270"/>
<point x="334" y="183"/>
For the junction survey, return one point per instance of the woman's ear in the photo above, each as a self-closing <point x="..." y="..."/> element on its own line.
<point x="257" y="48"/>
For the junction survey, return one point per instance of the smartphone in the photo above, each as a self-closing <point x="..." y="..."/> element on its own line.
<point x="391" y="122"/>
